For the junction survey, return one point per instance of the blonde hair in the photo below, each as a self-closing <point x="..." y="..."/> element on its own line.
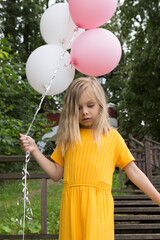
<point x="69" y="129"/>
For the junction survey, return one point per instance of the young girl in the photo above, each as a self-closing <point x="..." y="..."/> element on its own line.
<point x="87" y="151"/>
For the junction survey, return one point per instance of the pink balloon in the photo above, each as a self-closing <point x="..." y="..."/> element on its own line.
<point x="90" y="14"/>
<point x="96" y="52"/>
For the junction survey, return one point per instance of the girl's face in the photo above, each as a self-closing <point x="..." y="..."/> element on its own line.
<point x="88" y="109"/>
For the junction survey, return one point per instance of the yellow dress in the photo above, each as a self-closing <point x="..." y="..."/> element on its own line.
<point x="87" y="208"/>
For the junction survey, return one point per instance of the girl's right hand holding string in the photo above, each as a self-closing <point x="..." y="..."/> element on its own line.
<point x="27" y="143"/>
<point x="52" y="169"/>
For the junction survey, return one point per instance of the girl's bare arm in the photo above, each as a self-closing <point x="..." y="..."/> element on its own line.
<point x="142" y="182"/>
<point x="53" y="170"/>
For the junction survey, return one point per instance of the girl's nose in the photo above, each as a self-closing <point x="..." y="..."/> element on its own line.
<point x="84" y="111"/>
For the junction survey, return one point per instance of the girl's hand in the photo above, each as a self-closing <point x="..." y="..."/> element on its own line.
<point x="27" y="143"/>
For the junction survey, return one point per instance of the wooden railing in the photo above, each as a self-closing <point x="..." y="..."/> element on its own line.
<point x="144" y="153"/>
<point x="143" y="156"/>
<point x="43" y="177"/>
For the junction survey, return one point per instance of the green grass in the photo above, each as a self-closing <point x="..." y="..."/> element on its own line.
<point x="11" y="192"/>
<point x="116" y="183"/>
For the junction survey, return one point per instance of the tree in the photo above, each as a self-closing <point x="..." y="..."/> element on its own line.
<point x="133" y="85"/>
<point x="18" y="102"/>
<point x="21" y="20"/>
<point x="139" y="111"/>
<point x="115" y="82"/>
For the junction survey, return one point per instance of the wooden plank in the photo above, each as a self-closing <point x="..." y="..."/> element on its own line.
<point x="137" y="218"/>
<point x="16" y="158"/>
<point x="130" y="197"/>
<point x="137" y="236"/>
<point x="20" y="158"/>
<point x="31" y="236"/>
<point x="148" y="161"/>
<point x="135" y="203"/>
<point x="44" y="206"/>
<point x="137" y="210"/>
<point x="156" y="154"/>
<point x="120" y="178"/>
<point x="136" y="150"/>
<point x="146" y="226"/>
<point x="19" y="176"/>
<point x="127" y="190"/>
<point x="117" y="236"/>
<point x="152" y="141"/>
<point x="136" y="141"/>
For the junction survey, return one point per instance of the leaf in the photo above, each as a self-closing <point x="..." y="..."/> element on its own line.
<point x="6" y="229"/>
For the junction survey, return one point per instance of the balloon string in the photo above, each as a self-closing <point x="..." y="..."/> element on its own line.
<point x="50" y="84"/>
<point x="25" y="190"/>
<point x="25" y="183"/>
<point x="27" y="159"/>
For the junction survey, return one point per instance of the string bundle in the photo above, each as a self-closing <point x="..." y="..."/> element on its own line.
<point x="27" y="205"/>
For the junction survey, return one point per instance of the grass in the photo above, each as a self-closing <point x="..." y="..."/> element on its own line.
<point x="11" y="192"/>
<point x="116" y="183"/>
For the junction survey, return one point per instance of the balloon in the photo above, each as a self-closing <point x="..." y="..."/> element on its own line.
<point x="96" y="52"/>
<point x="57" y="26"/>
<point x="90" y="14"/>
<point x="41" y="66"/>
<point x="51" y="2"/>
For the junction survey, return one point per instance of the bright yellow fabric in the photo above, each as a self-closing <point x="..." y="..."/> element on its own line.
<point x="87" y="208"/>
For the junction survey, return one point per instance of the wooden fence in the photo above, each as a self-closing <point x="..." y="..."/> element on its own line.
<point x="147" y="154"/>
<point x="43" y="177"/>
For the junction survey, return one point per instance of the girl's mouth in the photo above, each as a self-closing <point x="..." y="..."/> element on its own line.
<point x="86" y="119"/>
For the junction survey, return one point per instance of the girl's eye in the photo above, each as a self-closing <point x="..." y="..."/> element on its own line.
<point x="91" y="105"/>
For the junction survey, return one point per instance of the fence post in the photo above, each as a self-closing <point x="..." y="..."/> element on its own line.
<point x="148" y="161"/>
<point x="44" y="206"/>
<point x="121" y="179"/>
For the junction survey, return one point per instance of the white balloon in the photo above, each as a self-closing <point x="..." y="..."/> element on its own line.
<point x="51" y="2"/>
<point x="57" y="26"/>
<point x="42" y="65"/>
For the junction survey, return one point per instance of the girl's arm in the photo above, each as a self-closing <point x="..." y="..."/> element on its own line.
<point x="142" y="182"/>
<point x="53" y="170"/>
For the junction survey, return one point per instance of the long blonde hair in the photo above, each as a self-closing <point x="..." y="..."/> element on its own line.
<point x="69" y="130"/>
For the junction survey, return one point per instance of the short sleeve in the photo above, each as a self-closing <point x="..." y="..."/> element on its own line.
<point x="124" y="156"/>
<point x="57" y="156"/>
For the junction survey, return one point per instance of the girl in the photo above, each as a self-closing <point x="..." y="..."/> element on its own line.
<point x="87" y="151"/>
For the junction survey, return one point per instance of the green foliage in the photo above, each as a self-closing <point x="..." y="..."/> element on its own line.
<point x="133" y="85"/>
<point x="10" y="192"/>
<point x="140" y="101"/>
<point x="20" y="19"/>
<point x="18" y="102"/>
